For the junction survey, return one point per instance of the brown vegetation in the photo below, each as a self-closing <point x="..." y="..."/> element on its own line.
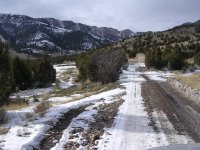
<point x="42" y="107"/>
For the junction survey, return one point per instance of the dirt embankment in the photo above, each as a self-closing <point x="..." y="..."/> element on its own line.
<point x="191" y="93"/>
<point x="184" y="114"/>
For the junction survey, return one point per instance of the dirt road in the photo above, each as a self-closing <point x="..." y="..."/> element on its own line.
<point x="184" y="114"/>
<point x="147" y="114"/>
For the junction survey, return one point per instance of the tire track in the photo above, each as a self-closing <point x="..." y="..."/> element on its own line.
<point x="55" y="133"/>
<point x="162" y="97"/>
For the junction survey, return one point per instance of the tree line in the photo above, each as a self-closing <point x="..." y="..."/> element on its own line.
<point x="18" y="74"/>
<point x="170" y="58"/>
<point x="170" y="49"/>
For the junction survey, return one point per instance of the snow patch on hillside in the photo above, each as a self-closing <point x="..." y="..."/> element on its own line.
<point x="2" y="39"/>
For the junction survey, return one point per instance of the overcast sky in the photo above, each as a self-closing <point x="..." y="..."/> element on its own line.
<point x="137" y="15"/>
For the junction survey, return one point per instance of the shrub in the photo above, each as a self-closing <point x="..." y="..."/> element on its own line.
<point x="42" y="107"/>
<point x="43" y="72"/>
<point x="6" y="78"/>
<point x="22" y="74"/>
<point x="106" y="65"/>
<point x="101" y="65"/>
<point x="2" y="115"/>
<point x="197" y="59"/>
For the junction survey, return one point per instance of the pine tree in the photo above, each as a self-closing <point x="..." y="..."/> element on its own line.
<point x="176" y="60"/>
<point x="44" y="73"/>
<point x="197" y="59"/>
<point x="6" y="78"/>
<point x="22" y="74"/>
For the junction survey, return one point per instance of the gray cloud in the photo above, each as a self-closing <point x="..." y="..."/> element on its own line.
<point x="140" y="15"/>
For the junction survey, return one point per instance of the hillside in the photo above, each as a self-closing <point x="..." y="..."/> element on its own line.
<point x="48" y="35"/>
<point x="162" y="47"/>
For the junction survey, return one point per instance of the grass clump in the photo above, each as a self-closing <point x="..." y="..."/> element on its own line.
<point x="15" y="106"/>
<point x="17" y="103"/>
<point x="84" y="88"/>
<point x="42" y="107"/>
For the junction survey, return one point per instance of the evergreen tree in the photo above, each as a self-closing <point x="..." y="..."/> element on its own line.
<point x="22" y="74"/>
<point x="6" y="78"/>
<point x="148" y="59"/>
<point x="44" y="73"/>
<point x="197" y="59"/>
<point x="176" y="60"/>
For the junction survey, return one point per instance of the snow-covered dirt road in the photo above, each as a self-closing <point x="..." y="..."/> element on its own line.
<point x="129" y="115"/>
<point x="134" y="128"/>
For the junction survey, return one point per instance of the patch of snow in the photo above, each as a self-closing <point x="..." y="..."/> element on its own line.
<point x="2" y="39"/>
<point x="158" y="75"/>
<point x="58" y="99"/>
<point x="31" y="92"/>
<point x="41" y="43"/>
<point x="33" y="131"/>
<point x="197" y="71"/>
<point x="61" y="30"/>
<point x="87" y="45"/>
<point x="39" y="36"/>
<point x="59" y="70"/>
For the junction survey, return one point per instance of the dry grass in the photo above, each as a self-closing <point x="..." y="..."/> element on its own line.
<point x="79" y="89"/>
<point x="3" y="130"/>
<point x="192" y="80"/>
<point x="93" y="91"/>
<point x="139" y="58"/>
<point x="15" y="106"/>
<point x="42" y="107"/>
<point x="66" y="75"/>
<point x="16" y="103"/>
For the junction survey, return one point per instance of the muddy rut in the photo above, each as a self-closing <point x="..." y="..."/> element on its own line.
<point x="55" y="133"/>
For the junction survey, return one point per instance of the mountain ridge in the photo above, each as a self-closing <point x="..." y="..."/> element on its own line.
<point x="50" y="35"/>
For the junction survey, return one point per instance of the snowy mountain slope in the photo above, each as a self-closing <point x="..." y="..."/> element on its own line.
<point x="52" y="36"/>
